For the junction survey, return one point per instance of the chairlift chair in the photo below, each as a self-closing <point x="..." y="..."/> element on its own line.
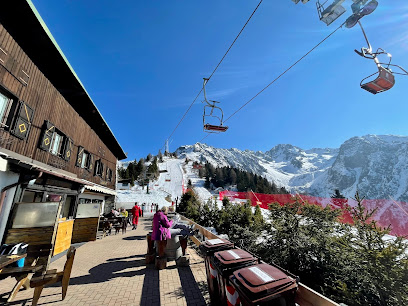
<point x="303" y="1"/>
<point x="330" y="13"/>
<point x="385" y="79"/>
<point x="359" y="11"/>
<point x="209" y="114"/>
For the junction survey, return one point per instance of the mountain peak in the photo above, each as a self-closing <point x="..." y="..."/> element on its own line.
<point x="375" y="165"/>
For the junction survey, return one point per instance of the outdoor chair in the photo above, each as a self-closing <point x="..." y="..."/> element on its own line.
<point x="52" y="277"/>
<point x="35" y="262"/>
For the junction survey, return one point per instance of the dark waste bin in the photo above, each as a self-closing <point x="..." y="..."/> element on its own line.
<point x="264" y="284"/>
<point x="208" y="248"/>
<point x="226" y="262"/>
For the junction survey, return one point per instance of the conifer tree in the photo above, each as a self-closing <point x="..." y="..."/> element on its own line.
<point x="160" y="156"/>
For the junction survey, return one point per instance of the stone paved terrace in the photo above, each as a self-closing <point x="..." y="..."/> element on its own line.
<point x="112" y="271"/>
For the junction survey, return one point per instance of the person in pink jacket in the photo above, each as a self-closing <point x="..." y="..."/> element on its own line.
<point x="161" y="230"/>
<point x="161" y="225"/>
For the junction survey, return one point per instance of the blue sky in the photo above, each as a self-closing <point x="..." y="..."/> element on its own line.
<point x="142" y="62"/>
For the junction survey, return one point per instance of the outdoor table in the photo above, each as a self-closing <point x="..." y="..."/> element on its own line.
<point x="8" y="259"/>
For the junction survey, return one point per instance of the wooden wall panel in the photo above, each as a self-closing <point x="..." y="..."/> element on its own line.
<point x="49" y="104"/>
<point x="85" y="229"/>
<point x="32" y="235"/>
<point x="64" y="236"/>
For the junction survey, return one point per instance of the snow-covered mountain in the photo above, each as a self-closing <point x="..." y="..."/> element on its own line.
<point x="376" y="166"/>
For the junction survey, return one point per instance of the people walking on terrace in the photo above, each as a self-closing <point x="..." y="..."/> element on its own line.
<point x="135" y="214"/>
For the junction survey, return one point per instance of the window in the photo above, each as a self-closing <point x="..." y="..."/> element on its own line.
<point x="56" y="147"/>
<point x="55" y="142"/>
<point x="109" y="174"/>
<point x="99" y="168"/>
<point x="5" y="104"/>
<point x="84" y="159"/>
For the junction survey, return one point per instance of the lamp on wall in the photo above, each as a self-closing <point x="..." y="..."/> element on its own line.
<point x="81" y="189"/>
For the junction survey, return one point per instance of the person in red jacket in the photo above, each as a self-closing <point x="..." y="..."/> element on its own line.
<point x="135" y="218"/>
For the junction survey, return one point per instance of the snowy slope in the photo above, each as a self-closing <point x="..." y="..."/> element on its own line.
<point x="286" y="165"/>
<point x="169" y="184"/>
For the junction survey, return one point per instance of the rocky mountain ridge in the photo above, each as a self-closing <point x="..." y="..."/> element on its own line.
<point x="375" y="165"/>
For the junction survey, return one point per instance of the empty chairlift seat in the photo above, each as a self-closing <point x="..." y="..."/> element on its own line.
<point x="331" y="12"/>
<point x="215" y="128"/>
<point x="384" y="81"/>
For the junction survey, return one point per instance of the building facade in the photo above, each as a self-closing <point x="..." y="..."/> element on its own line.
<point x="55" y="146"/>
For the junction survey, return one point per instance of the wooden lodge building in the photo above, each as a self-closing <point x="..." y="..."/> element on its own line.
<point x="58" y="156"/>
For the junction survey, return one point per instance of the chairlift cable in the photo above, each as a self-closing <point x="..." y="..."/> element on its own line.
<point x="222" y="59"/>
<point x="283" y="73"/>
<point x="236" y="38"/>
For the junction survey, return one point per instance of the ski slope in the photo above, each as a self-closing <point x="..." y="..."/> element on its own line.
<point x="169" y="185"/>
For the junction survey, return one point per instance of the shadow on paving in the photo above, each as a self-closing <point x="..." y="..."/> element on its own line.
<point x="151" y="287"/>
<point x="110" y="270"/>
<point x="190" y="289"/>
<point x="135" y="238"/>
<point x="4" y="296"/>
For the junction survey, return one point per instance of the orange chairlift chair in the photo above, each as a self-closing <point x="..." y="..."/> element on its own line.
<point x="385" y="79"/>
<point x="209" y="114"/>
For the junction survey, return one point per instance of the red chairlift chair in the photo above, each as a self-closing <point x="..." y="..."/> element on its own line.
<point x="215" y="128"/>
<point x="209" y="113"/>
<point x="384" y="81"/>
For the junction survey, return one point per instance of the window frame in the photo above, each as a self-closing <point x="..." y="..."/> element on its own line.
<point x="9" y="110"/>
<point x="61" y="146"/>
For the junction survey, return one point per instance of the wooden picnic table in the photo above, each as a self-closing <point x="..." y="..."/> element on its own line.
<point x="5" y="260"/>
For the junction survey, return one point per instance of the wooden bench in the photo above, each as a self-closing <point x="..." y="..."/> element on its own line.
<point x="52" y="277"/>
<point x="36" y="262"/>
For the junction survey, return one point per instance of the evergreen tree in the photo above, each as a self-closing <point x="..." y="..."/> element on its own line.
<point x="201" y="172"/>
<point x="140" y="168"/>
<point x="207" y="183"/>
<point x="226" y="202"/>
<point x="148" y="157"/>
<point x="190" y="205"/>
<point x="377" y="267"/>
<point x="160" y="156"/>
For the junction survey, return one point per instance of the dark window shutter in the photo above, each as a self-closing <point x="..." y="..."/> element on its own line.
<point x="79" y="156"/>
<point x="46" y="137"/>
<point x="22" y="123"/>
<point x="90" y="162"/>
<point x="97" y="166"/>
<point x="101" y="172"/>
<point x="69" y="147"/>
